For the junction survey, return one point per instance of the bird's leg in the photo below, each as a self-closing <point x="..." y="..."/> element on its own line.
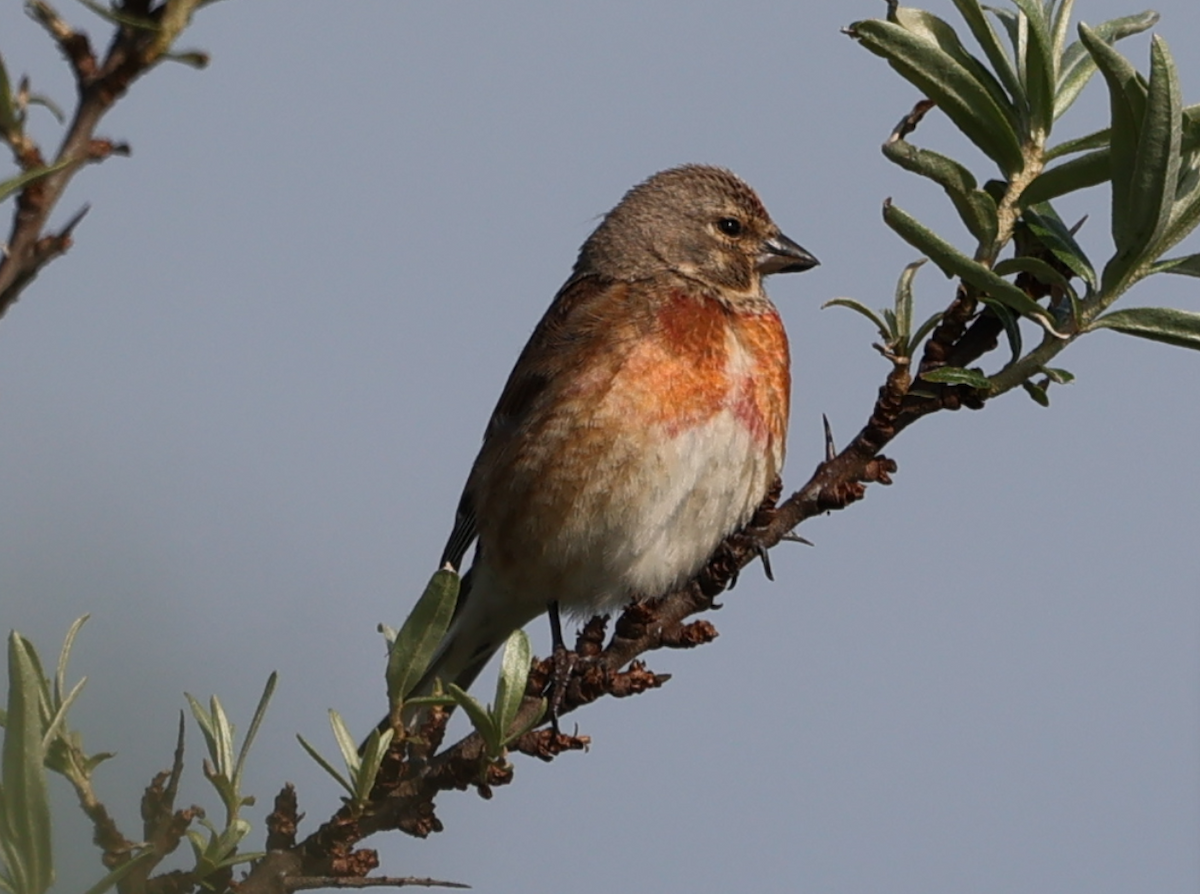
<point x="562" y="667"/>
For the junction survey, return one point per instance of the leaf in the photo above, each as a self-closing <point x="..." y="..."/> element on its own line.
<point x="145" y="857"/>
<point x="927" y="25"/>
<point x="255" y="722"/>
<point x="514" y="672"/>
<point x="374" y="751"/>
<point x="223" y="736"/>
<point x="345" y="741"/>
<point x="1165" y="324"/>
<point x="64" y="655"/>
<point x="1049" y="229"/>
<point x="1037" y="392"/>
<point x="884" y="331"/>
<point x="421" y="634"/>
<point x="205" y="722"/>
<point x="1009" y="322"/>
<point x="16" y="184"/>
<point x="923" y="330"/>
<point x="9" y="121"/>
<point x="1156" y="171"/>
<point x="1127" y="101"/>
<point x="480" y="719"/>
<point x="904" y="300"/>
<point x="325" y="765"/>
<point x="954" y="263"/>
<point x="1037" y="268"/>
<point x="1058" y="376"/>
<point x="1187" y="266"/>
<point x="985" y="36"/>
<point x="1039" y="66"/>
<point x="953" y="375"/>
<point x="1097" y="140"/>
<point x="25" y="811"/>
<point x="1077" y="65"/>
<point x="976" y="208"/>
<point x="1060" y="26"/>
<point x="938" y="75"/>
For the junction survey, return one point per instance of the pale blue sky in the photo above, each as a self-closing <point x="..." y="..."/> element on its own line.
<point x="236" y="418"/>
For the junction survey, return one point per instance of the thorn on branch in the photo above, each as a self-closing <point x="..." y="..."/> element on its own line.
<point x="99" y="149"/>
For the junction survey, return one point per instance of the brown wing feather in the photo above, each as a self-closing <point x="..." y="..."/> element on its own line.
<point x="558" y="330"/>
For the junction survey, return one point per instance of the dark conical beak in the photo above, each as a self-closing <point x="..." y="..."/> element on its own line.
<point x="780" y="254"/>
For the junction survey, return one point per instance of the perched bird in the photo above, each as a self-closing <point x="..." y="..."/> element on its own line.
<point x="643" y="422"/>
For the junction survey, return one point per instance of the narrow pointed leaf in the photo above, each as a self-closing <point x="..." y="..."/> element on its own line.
<point x="1037" y="392"/>
<point x="1127" y="102"/>
<point x="206" y="726"/>
<point x="1156" y="172"/>
<point x="514" y="672"/>
<point x="421" y="633"/>
<point x="255" y="722"/>
<point x="325" y="765"/>
<point x="19" y="182"/>
<point x="954" y="263"/>
<point x="1037" y="268"/>
<point x="922" y="331"/>
<point x="976" y="208"/>
<point x="224" y="738"/>
<point x="1011" y="328"/>
<point x="1187" y="266"/>
<point x="25" y="820"/>
<point x="985" y="35"/>
<point x="1165" y="324"/>
<point x="1058" y="376"/>
<point x="884" y="332"/>
<point x="479" y="717"/>
<point x="1049" y="229"/>
<point x="1040" y="67"/>
<point x="9" y="122"/>
<point x="1061" y="26"/>
<point x="945" y="81"/>
<point x="1097" y="140"/>
<point x="373" y="754"/>
<point x="953" y="375"/>
<point x="345" y="741"/>
<point x="904" y="299"/>
<point x="1078" y="66"/>
<point x="142" y="859"/>
<point x="927" y="25"/>
<point x="64" y="655"/>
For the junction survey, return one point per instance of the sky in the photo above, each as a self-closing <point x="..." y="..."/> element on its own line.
<point x="236" y="418"/>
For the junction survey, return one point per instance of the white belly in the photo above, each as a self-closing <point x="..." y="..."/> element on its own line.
<point x="653" y="527"/>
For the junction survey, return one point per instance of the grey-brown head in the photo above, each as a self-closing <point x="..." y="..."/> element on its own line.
<point x="699" y="222"/>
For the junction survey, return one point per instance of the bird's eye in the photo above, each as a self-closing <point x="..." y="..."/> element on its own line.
<point x="730" y="226"/>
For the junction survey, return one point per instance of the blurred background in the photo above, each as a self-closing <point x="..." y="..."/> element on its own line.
<point x="236" y="418"/>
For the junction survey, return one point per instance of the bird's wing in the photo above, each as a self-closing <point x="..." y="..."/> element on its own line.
<point x="574" y="318"/>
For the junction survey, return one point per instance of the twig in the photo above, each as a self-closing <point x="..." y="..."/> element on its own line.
<point x="309" y="882"/>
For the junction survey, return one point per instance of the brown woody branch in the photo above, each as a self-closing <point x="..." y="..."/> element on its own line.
<point x="133" y="51"/>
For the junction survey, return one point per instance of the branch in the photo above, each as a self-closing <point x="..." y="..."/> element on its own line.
<point x="138" y="44"/>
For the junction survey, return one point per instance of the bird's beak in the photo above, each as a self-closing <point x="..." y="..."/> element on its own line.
<point x="779" y="254"/>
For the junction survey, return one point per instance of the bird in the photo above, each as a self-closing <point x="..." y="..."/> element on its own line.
<point x="644" y="421"/>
